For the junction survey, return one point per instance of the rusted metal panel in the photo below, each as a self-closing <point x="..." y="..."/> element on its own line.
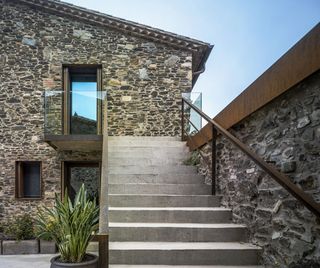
<point x="302" y="60"/>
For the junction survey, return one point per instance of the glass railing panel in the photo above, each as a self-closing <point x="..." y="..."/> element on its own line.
<point x="53" y="111"/>
<point x="195" y="121"/>
<point x="84" y="112"/>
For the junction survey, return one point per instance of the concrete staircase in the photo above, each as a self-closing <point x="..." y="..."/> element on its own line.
<point x="162" y="214"/>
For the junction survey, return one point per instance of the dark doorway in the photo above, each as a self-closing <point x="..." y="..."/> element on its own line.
<point x="77" y="173"/>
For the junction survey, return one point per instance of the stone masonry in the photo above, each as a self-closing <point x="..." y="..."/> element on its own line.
<point x="143" y="79"/>
<point x="286" y="133"/>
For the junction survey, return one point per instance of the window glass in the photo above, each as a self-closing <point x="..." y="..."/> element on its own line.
<point x="83" y="103"/>
<point x="29" y="179"/>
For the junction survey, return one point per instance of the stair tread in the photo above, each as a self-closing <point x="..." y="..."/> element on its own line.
<point x="167" y="195"/>
<point x="164" y="184"/>
<point x="181" y="246"/>
<point x="171" y="208"/>
<point x="175" y="225"/>
<point x="144" y="138"/>
<point x="188" y="266"/>
<point x="152" y="165"/>
<point x="141" y="145"/>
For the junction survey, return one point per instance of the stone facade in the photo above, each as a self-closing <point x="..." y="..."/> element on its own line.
<point x="144" y="81"/>
<point x="285" y="132"/>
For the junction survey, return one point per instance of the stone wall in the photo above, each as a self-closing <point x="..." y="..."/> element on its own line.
<point x="286" y="133"/>
<point x="143" y="79"/>
<point x="89" y="176"/>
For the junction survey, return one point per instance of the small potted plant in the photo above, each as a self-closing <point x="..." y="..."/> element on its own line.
<point x="19" y="237"/>
<point x="70" y="225"/>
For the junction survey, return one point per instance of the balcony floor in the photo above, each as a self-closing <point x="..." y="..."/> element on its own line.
<point x="84" y="143"/>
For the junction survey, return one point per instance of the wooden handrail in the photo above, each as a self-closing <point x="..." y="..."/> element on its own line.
<point x="281" y="178"/>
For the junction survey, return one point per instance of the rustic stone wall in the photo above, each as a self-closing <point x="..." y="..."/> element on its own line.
<point x="286" y="133"/>
<point x="143" y="79"/>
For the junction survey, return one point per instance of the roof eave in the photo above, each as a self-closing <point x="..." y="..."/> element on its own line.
<point x="201" y="66"/>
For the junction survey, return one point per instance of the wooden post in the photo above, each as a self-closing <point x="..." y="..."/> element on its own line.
<point x="103" y="216"/>
<point x="103" y="251"/>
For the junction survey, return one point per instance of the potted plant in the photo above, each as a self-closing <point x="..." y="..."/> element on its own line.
<point x="70" y="225"/>
<point x="19" y="237"/>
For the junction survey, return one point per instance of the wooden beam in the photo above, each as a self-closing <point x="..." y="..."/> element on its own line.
<point x="84" y="143"/>
<point x="69" y="138"/>
<point x="302" y="60"/>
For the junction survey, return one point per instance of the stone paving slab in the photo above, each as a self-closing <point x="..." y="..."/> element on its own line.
<point x="26" y="261"/>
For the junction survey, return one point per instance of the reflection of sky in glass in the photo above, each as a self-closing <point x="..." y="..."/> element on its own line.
<point x="84" y="99"/>
<point x="194" y="116"/>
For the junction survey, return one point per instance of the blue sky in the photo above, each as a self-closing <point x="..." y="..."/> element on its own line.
<point x="249" y="35"/>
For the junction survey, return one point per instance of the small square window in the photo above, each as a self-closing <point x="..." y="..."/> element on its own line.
<point x="28" y="179"/>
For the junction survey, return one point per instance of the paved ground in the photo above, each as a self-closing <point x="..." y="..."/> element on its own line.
<point x="25" y="261"/>
<point x="43" y="261"/>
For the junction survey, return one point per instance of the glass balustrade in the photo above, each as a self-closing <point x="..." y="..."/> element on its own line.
<point x="193" y="121"/>
<point x="83" y="110"/>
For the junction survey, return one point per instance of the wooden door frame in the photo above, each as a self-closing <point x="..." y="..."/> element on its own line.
<point x="64" y="171"/>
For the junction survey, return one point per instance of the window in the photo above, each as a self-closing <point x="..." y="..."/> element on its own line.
<point x="28" y="179"/>
<point x="82" y="107"/>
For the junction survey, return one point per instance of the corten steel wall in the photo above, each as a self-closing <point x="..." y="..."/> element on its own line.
<point x="286" y="132"/>
<point x="34" y="45"/>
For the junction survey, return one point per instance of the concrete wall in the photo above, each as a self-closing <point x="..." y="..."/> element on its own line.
<point x="144" y="81"/>
<point x="286" y="132"/>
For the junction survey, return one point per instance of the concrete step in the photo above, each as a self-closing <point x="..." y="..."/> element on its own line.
<point x="182" y="214"/>
<point x="170" y="189"/>
<point x="177" y="232"/>
<point x="143" y="138"/>
<point x="156" y="178"/>
<point x="175" y="253"/>
<point x="142" y="169"/>
<point x="147" y="143"/>
<point x="152" y="200"/>
<point x="150" y="150"/>
<point x="164" y="154"/>
<point x="146" y="161"/>
<point x="182" y="266"/>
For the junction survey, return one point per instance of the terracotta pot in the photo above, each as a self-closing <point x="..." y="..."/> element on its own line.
<point x="92" y="262"/>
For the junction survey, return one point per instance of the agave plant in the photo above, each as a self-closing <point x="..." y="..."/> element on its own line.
<point x="69" y="225"/>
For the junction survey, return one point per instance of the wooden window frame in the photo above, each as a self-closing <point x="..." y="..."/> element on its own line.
<point x="66" y="108"/>
<point x="64" y="171"/>
<point x="19" y="180"/>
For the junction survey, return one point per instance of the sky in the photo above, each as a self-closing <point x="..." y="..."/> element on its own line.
<point x="248" y="35"/>
<point x="84" y="99"/>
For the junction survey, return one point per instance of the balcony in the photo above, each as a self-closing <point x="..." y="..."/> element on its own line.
<point x="73" y="120"/>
